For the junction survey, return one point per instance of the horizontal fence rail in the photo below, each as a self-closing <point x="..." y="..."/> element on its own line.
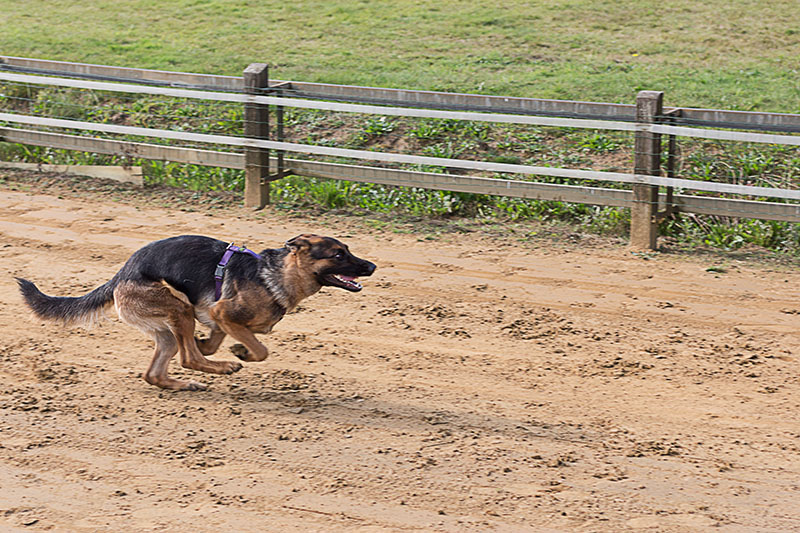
<point x="715" y="118"/>
<point x="721" y="135"/>
<point x="159" y="152"/>
<point x="387" y="157"/>
<point x="133" y="75"/>
<point x="406" y="178"/>
<point x="317" y="104"/>
<point x="405" y="112"/>
<point x="672" y="122"/>
<point x="397" y="97"/>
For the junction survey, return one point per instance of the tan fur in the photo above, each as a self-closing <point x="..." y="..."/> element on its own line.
<point x="253" y="309"/>
<point x="176" y="293"/>
<point x="252" y="302"/>
<point x="168" y="316"/>
<point x="169" y="319"/>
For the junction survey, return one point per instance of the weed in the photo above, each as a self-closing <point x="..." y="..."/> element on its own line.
<point x="377" y="126"/>
<point x="724" y="237"/>
<point x="507" y="159"/>
<point x="609" y="220"/>
<point x="599" y="143"/>
<point x="447" y="149"/>
<point x="426" y="130"/>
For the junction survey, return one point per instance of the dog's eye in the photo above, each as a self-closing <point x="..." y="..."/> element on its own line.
<point x="339" y="255"/>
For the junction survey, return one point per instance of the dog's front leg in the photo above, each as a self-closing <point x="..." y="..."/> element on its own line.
<point x="211" y="344"/>
<point x="255" y="351"/>
<point x="223" y="314"/>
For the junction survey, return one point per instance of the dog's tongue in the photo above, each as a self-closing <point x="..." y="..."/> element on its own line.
<point x="346" y="278"/>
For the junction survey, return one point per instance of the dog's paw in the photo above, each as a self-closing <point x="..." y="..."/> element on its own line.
<point x="194" y="385"/>
<point x="231" y="367"/>
<point x="240" y="351"/>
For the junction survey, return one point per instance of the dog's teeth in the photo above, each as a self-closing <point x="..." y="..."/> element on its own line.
<point x="347" y="279"/>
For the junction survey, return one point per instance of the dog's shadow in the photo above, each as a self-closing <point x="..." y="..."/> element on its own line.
<point x="349" y="410"/>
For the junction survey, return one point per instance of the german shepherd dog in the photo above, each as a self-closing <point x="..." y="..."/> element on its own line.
<point x="167" y="285"/>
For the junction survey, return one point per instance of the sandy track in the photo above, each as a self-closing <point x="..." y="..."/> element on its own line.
<point x="472" y="386"/>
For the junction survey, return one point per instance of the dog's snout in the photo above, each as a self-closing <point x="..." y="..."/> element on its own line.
<point x="369" y="268"/>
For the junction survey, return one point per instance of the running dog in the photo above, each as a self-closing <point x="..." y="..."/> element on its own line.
<point x="234" y="291"/>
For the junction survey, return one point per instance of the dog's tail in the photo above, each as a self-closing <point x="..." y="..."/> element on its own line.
<point x="71" y="311"/>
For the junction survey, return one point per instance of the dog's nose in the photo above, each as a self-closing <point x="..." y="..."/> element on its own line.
<point x="369" y="268"/>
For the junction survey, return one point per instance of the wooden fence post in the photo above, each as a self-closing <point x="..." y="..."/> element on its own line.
<point x="256" y="126"/>
<point x="647" y="160"/>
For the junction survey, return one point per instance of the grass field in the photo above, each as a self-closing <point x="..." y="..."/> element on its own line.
<point x="735" y="54"/>
<point x="731" y="54"/>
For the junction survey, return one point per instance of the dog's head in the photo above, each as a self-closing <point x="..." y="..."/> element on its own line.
<point x="329" y="261"/>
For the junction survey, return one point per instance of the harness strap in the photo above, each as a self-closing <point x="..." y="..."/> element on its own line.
<point x="219" y="273"/>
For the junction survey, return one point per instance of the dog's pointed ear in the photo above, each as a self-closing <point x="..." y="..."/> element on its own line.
<point x="301" y="241"/>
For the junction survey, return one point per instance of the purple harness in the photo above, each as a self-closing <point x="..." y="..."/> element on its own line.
<point x="219" y="273"/>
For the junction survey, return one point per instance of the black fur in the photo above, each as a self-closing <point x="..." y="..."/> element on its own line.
<point x="67" y="309"/>
<point x="151" y="290"/>
<point x="186" y="262"/>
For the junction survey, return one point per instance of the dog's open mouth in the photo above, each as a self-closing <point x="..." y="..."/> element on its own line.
<point x="345" y="282"/>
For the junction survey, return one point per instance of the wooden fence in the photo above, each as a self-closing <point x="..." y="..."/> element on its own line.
<point x="648" y="119"/>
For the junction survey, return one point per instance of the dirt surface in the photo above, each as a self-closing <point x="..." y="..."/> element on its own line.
<point x="473" y="385"/>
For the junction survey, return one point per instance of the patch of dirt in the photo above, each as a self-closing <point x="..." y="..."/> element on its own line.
<point x="475" y="384"/>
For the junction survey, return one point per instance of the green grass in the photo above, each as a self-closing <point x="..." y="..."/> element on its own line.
<point x="732" y="54"/>
<point x="736" y="54"/>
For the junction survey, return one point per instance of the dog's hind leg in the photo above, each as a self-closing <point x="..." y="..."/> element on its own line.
<point x="191" y="357"/>
<point x="166" y="348"/>
<point x="154" y="309"/>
